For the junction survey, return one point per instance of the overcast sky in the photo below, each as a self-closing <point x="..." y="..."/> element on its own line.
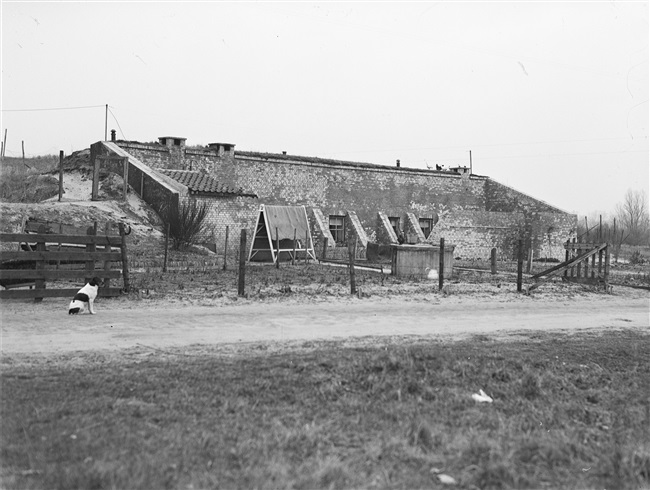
<point x="550" y="97"/>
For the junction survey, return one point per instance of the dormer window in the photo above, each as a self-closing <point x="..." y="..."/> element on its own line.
<point x="394" y="223"/>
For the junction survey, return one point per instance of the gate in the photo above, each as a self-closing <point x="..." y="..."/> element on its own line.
<point x="576" y="267"/>
<point x="43" y="257"/>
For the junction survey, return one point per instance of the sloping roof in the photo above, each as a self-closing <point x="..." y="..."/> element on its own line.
<point x="202" y="183"/>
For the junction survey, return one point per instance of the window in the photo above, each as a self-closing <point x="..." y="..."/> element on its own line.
<point x="177" y="142"/>
<point x="394" y="222"/>
<point x="425" y="225"/>
<point x="337" y="228"/>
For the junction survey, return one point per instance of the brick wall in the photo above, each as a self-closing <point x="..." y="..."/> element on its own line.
<point x="236" y="213"/>
<point x="173" y="157"/>
<point x="474" y="212"/>
<point x="475" y="233"/>
<point x="366" y="190"/>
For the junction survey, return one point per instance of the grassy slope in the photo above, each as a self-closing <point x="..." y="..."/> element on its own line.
<point x="27" y="181"/>
<point x="570" y="411"/>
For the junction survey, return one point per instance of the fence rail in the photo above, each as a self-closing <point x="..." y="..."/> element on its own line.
<point x="102" y="240"/>
<point x="51" y="259"/>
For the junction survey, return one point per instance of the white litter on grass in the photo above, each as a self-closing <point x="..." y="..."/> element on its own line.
<point x="446" y="479"/>
<point x="432" y="274"/>
<point x="482" y="397"/>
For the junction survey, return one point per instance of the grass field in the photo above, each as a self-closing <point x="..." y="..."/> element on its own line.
<point x="569" y="411"/>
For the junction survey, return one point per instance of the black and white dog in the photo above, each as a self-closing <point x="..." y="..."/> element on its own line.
<point x="86" y="295"/>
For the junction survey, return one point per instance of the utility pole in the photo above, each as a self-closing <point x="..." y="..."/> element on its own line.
<point x="4" y="144"/>
<point x="470" y="162"/>
<point x="106" y="125"/>
<point x="60" y="175"/>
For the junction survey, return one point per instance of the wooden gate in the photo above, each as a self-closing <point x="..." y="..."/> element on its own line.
<point x="58" y="257"/>
<point x="577" y="268"/>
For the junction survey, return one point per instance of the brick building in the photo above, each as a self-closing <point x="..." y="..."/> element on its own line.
<point x="472" y="212"/>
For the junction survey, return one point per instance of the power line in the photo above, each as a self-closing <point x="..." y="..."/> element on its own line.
<point x="118" y="123"/>
<point x="54" y="108"/>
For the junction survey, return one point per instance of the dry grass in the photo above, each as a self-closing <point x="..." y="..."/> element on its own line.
<point x="570" y="411"/>
<point x="28" y="180"/>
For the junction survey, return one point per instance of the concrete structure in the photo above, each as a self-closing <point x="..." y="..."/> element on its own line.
<point x="368" y="202"/>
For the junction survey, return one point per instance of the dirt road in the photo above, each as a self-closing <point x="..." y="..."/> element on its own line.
<point x="33" y="328"/>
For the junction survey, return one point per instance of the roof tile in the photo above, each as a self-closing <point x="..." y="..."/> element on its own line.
<point x="199" y="182"/>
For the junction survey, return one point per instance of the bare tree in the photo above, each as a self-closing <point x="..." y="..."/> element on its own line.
<point x="633" y="216"/>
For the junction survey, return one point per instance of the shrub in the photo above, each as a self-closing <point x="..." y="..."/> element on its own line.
<point x="186" y="223"/>
<point x="637" y="258"/>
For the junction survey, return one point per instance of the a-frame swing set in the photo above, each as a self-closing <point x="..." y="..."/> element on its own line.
<point x="281" y="233"/>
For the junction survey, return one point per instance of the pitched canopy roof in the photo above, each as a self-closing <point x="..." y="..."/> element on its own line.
<point x="202" y="183"/>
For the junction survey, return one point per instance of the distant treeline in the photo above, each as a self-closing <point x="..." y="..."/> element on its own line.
<point x="628" y="224"/>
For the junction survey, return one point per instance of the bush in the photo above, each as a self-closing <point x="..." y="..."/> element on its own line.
<point x="637" y="258"/>
<point x="186" y="223"/>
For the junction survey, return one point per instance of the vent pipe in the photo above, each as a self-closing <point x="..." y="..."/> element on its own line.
<point x="398" y="163"/>
<point x="112" y="135"/>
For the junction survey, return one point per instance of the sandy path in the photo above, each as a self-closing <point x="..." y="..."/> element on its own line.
<point x="48" y="330"/>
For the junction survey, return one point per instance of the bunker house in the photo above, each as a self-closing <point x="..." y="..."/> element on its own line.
<point x="372" y="204"/>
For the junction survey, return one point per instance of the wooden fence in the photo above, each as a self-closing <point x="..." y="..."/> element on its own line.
<point x="580" y="265"/>
<point x="56" y="257"/>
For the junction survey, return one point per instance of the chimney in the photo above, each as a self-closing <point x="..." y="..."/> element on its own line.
<point x="284" y="152"/>
<point x="398" y="163"/>
<point x="172" y="141"/>
<point x="225" y="151"/>
<point x="112" y="135"/>
<point x="222" y="149"/>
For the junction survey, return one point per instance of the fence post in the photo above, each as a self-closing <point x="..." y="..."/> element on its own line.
<point x="61" y="176"/>
<point x="306" y="245"/>
<point x="529" y="260"/>
<point x="293" y="259"/>
<point x="40" y="265"/>
<point x="324" y="254"/>
<point x="58" y="262"/>
<point x="520" y="265"/>
<point x="225" y="248"/>
<point x="91" y="247"/>
<point x="566" y="257"/>
<point x="242" y="264"/>
<point x="277" y="246"/>
<point x="573" y="252"/>
<point x="606" y="274"/>
<point x="593" y="266"/>
<point x="352" y="250"/>
<point x="600" y="230"/>
<point x="107" y="248"/>
<point x="441" y="265"/>
<point x="125" y="261"/>
<point x="600" y="263"/>
<point x="579" y="264"/>
<point x="493" y="260"/>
